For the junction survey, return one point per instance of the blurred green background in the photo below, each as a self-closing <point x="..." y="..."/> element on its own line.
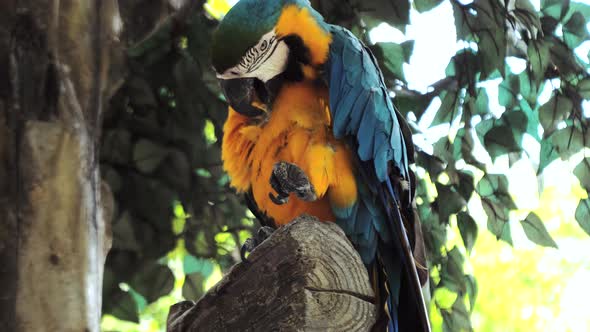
<point x="497" y="95"/>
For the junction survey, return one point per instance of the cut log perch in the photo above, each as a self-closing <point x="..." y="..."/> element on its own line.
<point x="305" y="277"/>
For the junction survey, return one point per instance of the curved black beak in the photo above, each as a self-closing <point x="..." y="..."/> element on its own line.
<point x="243" y="95"/>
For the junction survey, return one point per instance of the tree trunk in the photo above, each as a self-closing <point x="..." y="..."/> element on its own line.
<point x="54" y="212"/>
<point x="306" y="277"/>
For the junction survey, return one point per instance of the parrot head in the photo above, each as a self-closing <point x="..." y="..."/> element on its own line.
<point x="259" y="45"/>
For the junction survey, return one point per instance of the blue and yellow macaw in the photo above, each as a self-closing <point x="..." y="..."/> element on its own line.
<point x="310" y="111"/>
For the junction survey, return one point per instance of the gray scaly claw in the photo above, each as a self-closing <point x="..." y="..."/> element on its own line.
<point x="287" y="178"/>
<point x="253" y="242"/>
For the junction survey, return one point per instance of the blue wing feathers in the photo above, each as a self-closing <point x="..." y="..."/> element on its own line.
<point x="382" y="154"/>
<point x="355" y="117"/>
<point x="350" y="63"/>
<point x="366" y="132"/>
<point x="361" y="108"/>
<point x="363" y="214"/>
<point x="336" y="76"/>
<point x="342" y="119"/>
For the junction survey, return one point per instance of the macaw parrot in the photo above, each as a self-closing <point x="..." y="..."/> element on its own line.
<point x="311" y="130"/>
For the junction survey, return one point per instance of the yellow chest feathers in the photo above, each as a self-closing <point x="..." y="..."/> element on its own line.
<point x="299" y="131"/>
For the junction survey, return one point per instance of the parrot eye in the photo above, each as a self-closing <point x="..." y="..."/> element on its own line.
<point x="263" y="61"/>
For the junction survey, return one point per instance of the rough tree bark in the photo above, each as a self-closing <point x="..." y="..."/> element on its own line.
<point x="305" y="277"/>
<point x="54" y="212"/>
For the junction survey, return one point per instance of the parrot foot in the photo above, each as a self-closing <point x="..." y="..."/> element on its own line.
<point x="253" y="242"/>
<point x="287" y="178"/>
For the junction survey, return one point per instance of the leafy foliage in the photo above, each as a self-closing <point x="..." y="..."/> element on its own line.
<point x="536" y="231"/>
<point x="161" y="157"/>
<point x="161" y="147"/>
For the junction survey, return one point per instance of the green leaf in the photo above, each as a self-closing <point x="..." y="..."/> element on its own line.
<point x="555" y="8"/>
<point x="465" y="21"/>
<point x="532" y="119"/>
<point x="156" y="45"/>
<point x="140" y="93"/>
<point x="139" y="300"/>
<point x="444" y="297"/>
<point x="547" y="154"/>
<point x="116" y="146"/>
<point x="463" y="149"/>
<point x="549" y="24"/>
<point x="192" y="288"/>
<point x="567" y="141"/>
<point x="117" y="302"/>
<point x="444" y="149"/>
<point x="574" y="31"/>
<point x="434" y="165"/>
<point x="492" y="51"/>
<point x="529" y="88"/>
<point x="408" y="48"/>
<point x="461" y="319"/>
<point x="148" y="155"/>
<point x="192" y="264"/>
<point x="209" y="132"/>
<point x="527" y="14"/>
<point x="448" y="109"/>
<point x="516" y="120"/>
<point x="495" y="186"/>
<point x="396" y="13"/>
<point x="458" y="144"/>
<point x="426" y="5"/>
<point x="498" y="216"/>
<point x="411" y="102"/>
<point x="582" y="172"/>
<point x="565" y="60"/>
<point x="125" y="308"/>
<point x="491" y="37"/>
<point x="468" y="229"/>
<point x="583" y="88"/>
<point x="508" y="91"/>
<point x="482" y="102"/>
<point x="553" y="112"/>
<point x="497" y="203"/>
<point x="466" y="185"/>
<point x="483" y="127"/>
<point x="204" y="173"/>
<point x="500" y="140"/>
<point x="153" y="281"/>
<point x="435" y="233"/>
<point x="124" y="234"/>
<point x="536" y="232"/>
<point x="457" y="318"/>
<point x="452" y="271"/>
<point x="506" y="235"/>
<point x="472" y="290"/>
<point x="394" y="56"/>
<point x="581" y="7"/>
<point x="583" y="214"/>
<point x="449" y="201"/>
<point x="478" y="105"/>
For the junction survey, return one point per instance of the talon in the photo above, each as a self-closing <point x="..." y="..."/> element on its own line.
<point x="251" y="243"/>
<point x="264" y="233"/>
<point x="279" y="199"/>
<point x="247" y="247"/>
<point x="287" y="178"/>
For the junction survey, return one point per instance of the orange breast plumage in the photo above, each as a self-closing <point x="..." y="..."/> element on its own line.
<point x="298" y="130"/>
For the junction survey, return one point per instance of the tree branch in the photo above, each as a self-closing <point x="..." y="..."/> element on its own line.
<point x="306" y="276"/>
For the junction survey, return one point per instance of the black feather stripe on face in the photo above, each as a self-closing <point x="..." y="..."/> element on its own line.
<point x="298" y="54"/>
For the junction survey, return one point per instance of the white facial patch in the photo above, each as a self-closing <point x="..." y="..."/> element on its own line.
<point x="264" y="61"/>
